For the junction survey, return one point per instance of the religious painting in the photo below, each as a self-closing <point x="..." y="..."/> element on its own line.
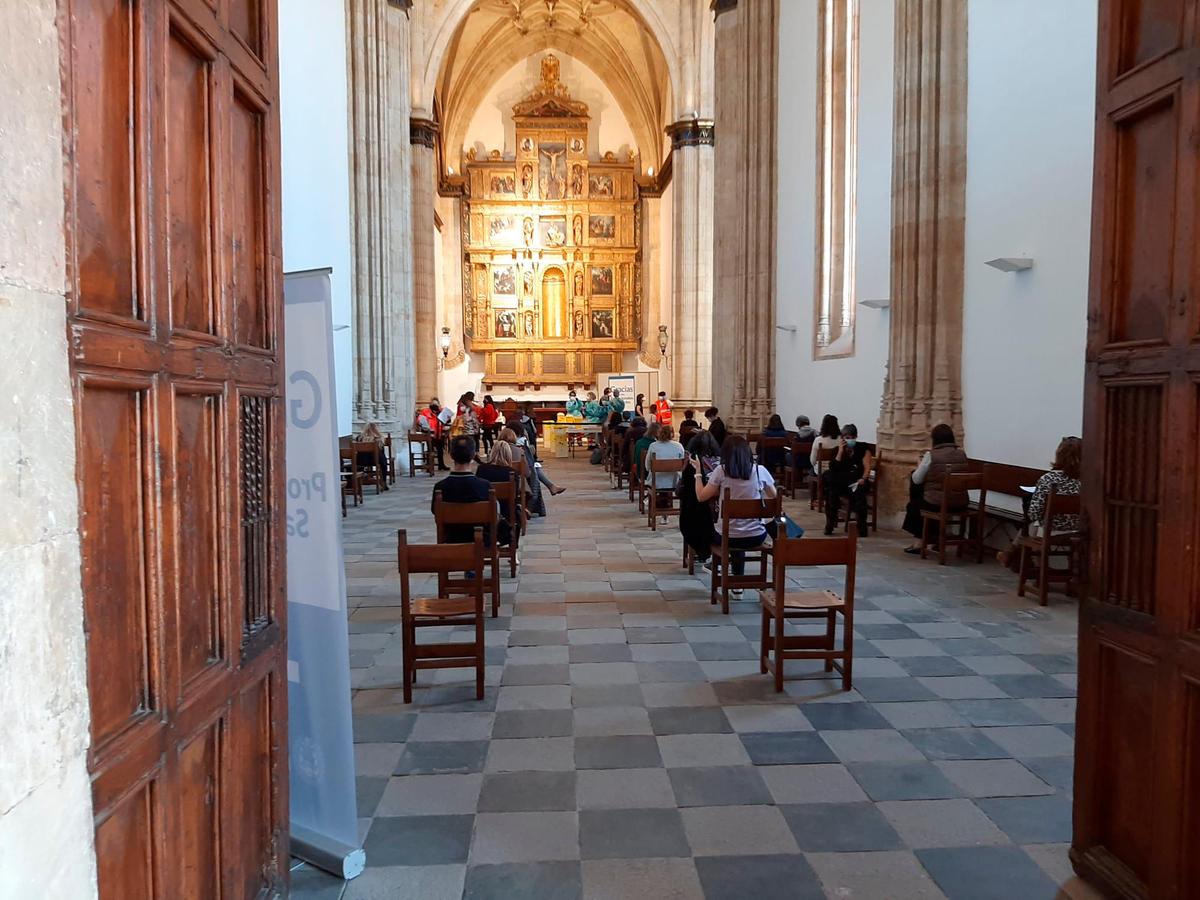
<point x="602" y="227"/>
<point x="600" y="185"/>
<point x="576" y="145"/>
<point x="576" y="180"/>
<point x="602" y="323"/>
<point x="506" y="324"/>
<point x="579" y="284"/>
<point x="577" y="230"/>
<point x="527" y="145"/>
<point x="602" y="280"/>
<point x="554" y="231"/>
<point x="504" y="280"/>
<point x="504" y="185"/>
<point x="552" y="171"/>
<point x="580" y="325"/>
<point x="500" y="229"/>
<point x="527" y="230"/>
<point x="526" y="179"/>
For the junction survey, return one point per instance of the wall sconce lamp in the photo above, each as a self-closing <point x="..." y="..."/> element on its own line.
<point x="662" y="342"/>
<point x="444" y="343"/>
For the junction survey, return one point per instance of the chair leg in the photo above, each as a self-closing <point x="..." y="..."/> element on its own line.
<point x="764" y="642"/>
<point x="942" y="535"/>
<point x="714" y="568"/>
<point x="479" y="657"/>
<point x="495" y="585"/>
<point x="830" y="634"/>
<point x="1023" y="571"/>
<point x="778" y="644"/>
<point x="924" y="538"/>
<point x="410" y="664"/>
<point x="1044" y="575"/>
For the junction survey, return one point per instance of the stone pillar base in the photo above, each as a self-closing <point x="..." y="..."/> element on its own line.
<point x="894" y="472"/>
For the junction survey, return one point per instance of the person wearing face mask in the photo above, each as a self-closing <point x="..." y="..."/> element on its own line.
<point x="574" y="405"/>
<point x="848" y="476"/>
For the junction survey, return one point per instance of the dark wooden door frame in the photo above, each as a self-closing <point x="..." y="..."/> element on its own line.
<point x="171" y="136"/>
<point x="1137" y="772"/>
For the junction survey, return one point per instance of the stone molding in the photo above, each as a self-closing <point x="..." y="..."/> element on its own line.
<point x="692" y="133"/>
<point x="720" y="6"/>
<point x="923" y="385"/>
<point x="423" y="132"/>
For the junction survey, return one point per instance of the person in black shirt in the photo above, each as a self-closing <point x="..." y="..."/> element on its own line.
<point x="715" y="426"/>
<point x="848" y="476"/>
<point x="462" y="486"/>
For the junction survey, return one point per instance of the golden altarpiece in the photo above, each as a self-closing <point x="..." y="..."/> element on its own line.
<point x="552" y="249"/>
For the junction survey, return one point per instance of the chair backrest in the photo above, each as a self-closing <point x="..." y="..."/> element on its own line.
<point x="825" y="454"/>
<point x="482" y="513"/>
<point x="959" y="483"/>
<point x="422" y="559"/>
<point x="662" y="466"/>
<point x="371" y="447"/>
<point x="521" y="467"/>
<point x="349" y="456"/>
<point x="766" y="508"/>
<point x="778" y="443"/>
<point x="1059" y="505"/>
<point x="801" y="450"/>
<point x="419" y="437"/>
<point x="822" y="551"/>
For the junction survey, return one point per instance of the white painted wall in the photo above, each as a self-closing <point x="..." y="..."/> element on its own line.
<point x="315" y="128"/>
<point x="848" y="387"/>
<point x="492" y="127"/>
<point x="1031" y="97"/>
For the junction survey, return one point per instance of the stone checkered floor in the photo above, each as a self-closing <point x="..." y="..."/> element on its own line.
<point x="628" y="747"/>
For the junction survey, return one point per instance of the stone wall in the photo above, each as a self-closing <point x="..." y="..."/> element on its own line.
<point x="45" y="796"/>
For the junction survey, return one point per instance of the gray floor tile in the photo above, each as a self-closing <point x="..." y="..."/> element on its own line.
<point x="888" y="873"/>
<point x="1033" y="686"/>
<point x="632" y="833"/>
<point x="963" y="687"/>
<point x="624" y="789"/>
<point x="310" y="883"/>
<point x="782" y="748"/>
<point x="418" y="840"/>
<point x="383" y="728"/>
<point x="941" y="823"/>
<point x="763" y="718"/>
<point x="621" y="879"/>
<point x="535" y="674"/>
<point x="601" y="721"/>
<point x="828" y="783"/>
<point x="654" y="635"/>
<point x="463" y="726"/>
<point x="535" y="881"/>
<point x="883" y="745"/>
<point x="368" y="790"/>
<point x="955" y="743"/>
<point x="1032" y="740"/>
<point x="993" y="778"/>
<point x="719" y="786"/>
<point x="715" y="651"/>
<point x="690" y="720"/>
<point x="763" y="877"/>
<point x="666" y="694"/>
<point x="442" y="757"/>
<point x="600" y="653"/>
<point x="624" y="752"/>
<point x="1031" y="820"/>
<point x="891" y="690"/>
<point x="606" y="695"/>
<point x="428" y="795"/>
<point x="986" y="873"/>
<point x="530" y="754"/>
<point x="1055" y="770"/>
<point x="533" y="723"/>
<point x="840" y="827"/>
<point x="903" y="781"/>
<point x="388" y="882"/>
<point x="920" y="714"/>
<point x="551" y="696"/>
<point x="690" y="750"/>
<point x="997" y="712"/>
<point x="525" y="837"/>
<point x="670" y="671"/>
<point x="737" y="830"/>
<point x="844" y="716"/>
<point x="933" y="666"/>
<point x="527" y="792"/>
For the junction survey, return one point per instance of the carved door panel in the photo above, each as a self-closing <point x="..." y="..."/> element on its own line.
<point x="174" y="328"/>
<point x="1137" y="786"/>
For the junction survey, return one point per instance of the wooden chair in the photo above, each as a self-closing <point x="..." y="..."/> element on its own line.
<point x="420" y="453"/>
<point x="800" y="450"/>
<point x="443" y="610"/>
<point x="816" y="487"/>
<point x="351" y="480"/>
<point x="780" y="605"/>
<point x="722" y="570"/>
<point x="521" y="467"/>
<point x="616" y="469"/>
<point x="945" y="517"/>
<point x="389" y="458"/>
<point x="484" y="515"/>
<point x="656" y="495"/>
<point x="1049" y="546"/>
<point x="778" y="447"/>
<point x="506" y="496"/>
<point x="372" y="472"/>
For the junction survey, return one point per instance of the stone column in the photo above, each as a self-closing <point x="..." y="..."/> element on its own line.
<point x="423" y="134"/>
<point x="923" y="386"/>
<point x="692" y="286"/>
<point x="747" y="44"/>
<point x="377" y="35"/>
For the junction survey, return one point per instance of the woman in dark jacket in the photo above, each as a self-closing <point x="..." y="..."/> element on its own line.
<point x="926" y="487"/>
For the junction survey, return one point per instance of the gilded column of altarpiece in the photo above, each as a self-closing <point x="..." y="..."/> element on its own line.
<point x="552" y="250"/>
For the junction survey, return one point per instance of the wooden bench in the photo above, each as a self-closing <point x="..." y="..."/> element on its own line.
<point x="1007" y="480"/>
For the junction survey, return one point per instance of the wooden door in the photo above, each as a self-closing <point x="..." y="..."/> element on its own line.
<point x="174" y="327"/>
<point x="1137" y="786"/>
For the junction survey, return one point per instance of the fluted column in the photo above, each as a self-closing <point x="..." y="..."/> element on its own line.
<point x="747" y="43"/>
<point x="692" y="286"/>
<point x="377" y="36"/>
<point x="923" y="386"/>
<point x="424" y="174"/>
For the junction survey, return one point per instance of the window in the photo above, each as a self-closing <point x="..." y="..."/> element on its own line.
<point x="837" y="135"/>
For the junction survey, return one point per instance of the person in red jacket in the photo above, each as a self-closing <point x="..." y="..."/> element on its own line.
<point x="489" y="418"/>
<point x="431" y="420"/>
<point x="662" y="409"/>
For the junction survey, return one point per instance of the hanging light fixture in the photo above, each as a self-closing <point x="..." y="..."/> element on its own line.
<point x="444" y="343"/>
<point x="662" y="340"/>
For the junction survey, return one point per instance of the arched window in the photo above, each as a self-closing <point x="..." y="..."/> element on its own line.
<point x="837" y="130"/>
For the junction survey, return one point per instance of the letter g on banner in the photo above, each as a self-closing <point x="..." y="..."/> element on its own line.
<point x="297" y="405"/>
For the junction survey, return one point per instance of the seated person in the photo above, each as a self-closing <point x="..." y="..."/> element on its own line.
<point x="688" y="427"/>
<point x="848" y="476"/>
<point x="638" y="454"/>
<point x="664" y="447"/>
<point x="707" y="451"/>
<point x="774" y="458"/>
<point x="637" y="430"/>
<point x="499" y="470"/>
<point x="828" y="439"/>
<point x="926" y="485"/>
<point x="1064" y="479"/>
<point x="462" y="486"/>
<point x="805" y="433"/>
<point x="746" y="481"/>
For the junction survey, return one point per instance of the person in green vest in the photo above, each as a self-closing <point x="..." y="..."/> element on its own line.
<point x="617" y="405"/>
<point x="593" y="411"/>
<point x="574" y="405"/>
<point x="638" y="462"/>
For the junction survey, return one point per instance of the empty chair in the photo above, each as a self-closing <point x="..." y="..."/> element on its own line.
<point x="482" y="514"/>
<point x="781" y="604"/>
<point x="420" y="453"/>
<point x="464" y="609"/>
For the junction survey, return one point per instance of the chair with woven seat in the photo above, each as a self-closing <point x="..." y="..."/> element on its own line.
<point x="781" y="605"/>
<point x="482" y="514"/>
<point x="723" y="579"/>
<point x="461" y="610"/>
<point x="1043" y="548"/>
<point x="947" y="517"/>
<point x="661" y="501"/>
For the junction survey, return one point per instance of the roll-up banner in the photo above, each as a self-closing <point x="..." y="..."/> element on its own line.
<point x="324" y="818"/>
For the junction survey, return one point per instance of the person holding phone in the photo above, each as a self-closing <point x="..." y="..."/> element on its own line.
<point x="848" y="476"/>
